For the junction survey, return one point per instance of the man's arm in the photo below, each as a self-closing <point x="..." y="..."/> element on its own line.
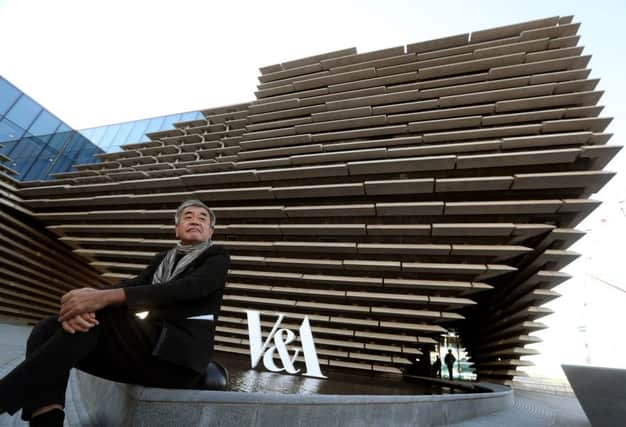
<point x="86" y="300"/>
<point x="203" y="281"/>
<point x="206" y="279"/>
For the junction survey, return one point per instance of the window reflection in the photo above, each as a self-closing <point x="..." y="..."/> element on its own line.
<point x="62" y="164"/>
<point x="96" y="136"/>
<point x="40" y="145"/>
<point x="137" y="134"/>
<point x="109" y="133"/>
<point x="28" y="147"/>
<point x="121" y="137"/>
<point x="8" y="95"/>
<point x="37" y="142"/>
<point x="155" y="124"/>
<point x="24" y="112"/>
<point x="9" y="131"/>
<point x="58" y="140"/>
<point x="76" y="143"/>
<point x="39" y="168"/>
<point x="44" y="125"/>
<point x="192" y="115"/>
<point x="111" y="137"/>
<point x="169" y="121"/>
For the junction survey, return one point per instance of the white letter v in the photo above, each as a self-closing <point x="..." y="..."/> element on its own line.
<point x="257" y="348"/>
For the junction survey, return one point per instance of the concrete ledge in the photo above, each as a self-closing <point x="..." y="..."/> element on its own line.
<point x="114" y="404"/>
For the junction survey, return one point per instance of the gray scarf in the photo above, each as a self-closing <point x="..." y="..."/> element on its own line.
<point x="166" y="271"/>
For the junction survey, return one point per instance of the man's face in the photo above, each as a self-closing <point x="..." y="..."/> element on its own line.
<point x="194" y="226"/>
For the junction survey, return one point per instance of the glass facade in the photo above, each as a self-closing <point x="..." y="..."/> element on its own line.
<point x="111" y="137"/>
<point x="38" y="143"/>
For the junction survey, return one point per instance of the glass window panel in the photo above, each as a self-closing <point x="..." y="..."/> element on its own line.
<point x="29" y="147"/>
<point x="89" y="150"/>
<point x="87" y="133"/>
<point x="106" y="147"/>
<point x="21" y="166"/>
<point x="9" y="131"/>
<point x="189" y="116"/>
<point x="63" y="128"/>
<point x="137" y="134"/>
<point x="39" y="168"/>
<point x="121" y="137"/>
<point x="8" y="95"/>
<point x="96" y="136"/>
<point x="45" y="125"/>
<point x="86" y="155"/>
<point x="76" y="143"/>
<point x="109" y="135"/>
<point x="24" y="111"/>
<point x="25" y="154"/>
<point x="62" y="163"/>
<point x="7" y="147"/>
<point x="114" y="147"/>
<point x="58" y="140"/>
<point x="155" y="124"/>
<point x="169" y="121"/>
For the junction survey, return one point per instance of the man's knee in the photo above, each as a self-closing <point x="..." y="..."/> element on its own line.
<point x="41" y="332"/>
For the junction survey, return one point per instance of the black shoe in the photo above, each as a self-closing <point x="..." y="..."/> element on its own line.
<point x="53" y="418"/>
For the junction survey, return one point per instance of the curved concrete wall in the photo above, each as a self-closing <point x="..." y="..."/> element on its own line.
<point x="115" y="404"/>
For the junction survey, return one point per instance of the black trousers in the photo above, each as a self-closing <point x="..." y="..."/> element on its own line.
<point x="118" y="349"/>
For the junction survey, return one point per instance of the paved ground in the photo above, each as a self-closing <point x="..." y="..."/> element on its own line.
<point x="12" y="343"/>
<point x="531" y="409"/>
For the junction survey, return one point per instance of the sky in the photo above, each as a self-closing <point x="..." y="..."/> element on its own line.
<point x="100" y="62"/>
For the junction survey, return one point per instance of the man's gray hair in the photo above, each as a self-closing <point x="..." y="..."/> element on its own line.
<point x="193" y="202"/>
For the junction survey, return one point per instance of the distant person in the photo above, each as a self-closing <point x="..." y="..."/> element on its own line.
<point x="437" y="367"/>
<point x="450" y="359"/>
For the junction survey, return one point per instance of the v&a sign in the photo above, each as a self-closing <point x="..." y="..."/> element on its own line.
<point x="277" y="342"/>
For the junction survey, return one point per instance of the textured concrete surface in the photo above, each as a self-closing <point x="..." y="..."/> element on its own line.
<point x="136" y="405"/>
<point x="529" y="409"/>
<point x="12" y="343"/>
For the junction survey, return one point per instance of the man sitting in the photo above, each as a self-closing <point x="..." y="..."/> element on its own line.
<point x="98" y="332"/>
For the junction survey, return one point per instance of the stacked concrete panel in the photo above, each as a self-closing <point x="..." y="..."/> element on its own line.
<point x="393" y="196"/>
<point x="35" y="268"/>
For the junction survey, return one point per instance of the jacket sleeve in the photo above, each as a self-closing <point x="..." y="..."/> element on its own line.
<point x="209" y="277"/>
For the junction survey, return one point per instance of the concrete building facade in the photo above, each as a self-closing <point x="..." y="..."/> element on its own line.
<point x="397" y="198"/>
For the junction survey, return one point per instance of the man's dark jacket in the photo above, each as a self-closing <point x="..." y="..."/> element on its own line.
<point x="196" y="291"/>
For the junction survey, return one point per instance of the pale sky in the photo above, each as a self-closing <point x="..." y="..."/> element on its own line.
<point x="100" y="62"/>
